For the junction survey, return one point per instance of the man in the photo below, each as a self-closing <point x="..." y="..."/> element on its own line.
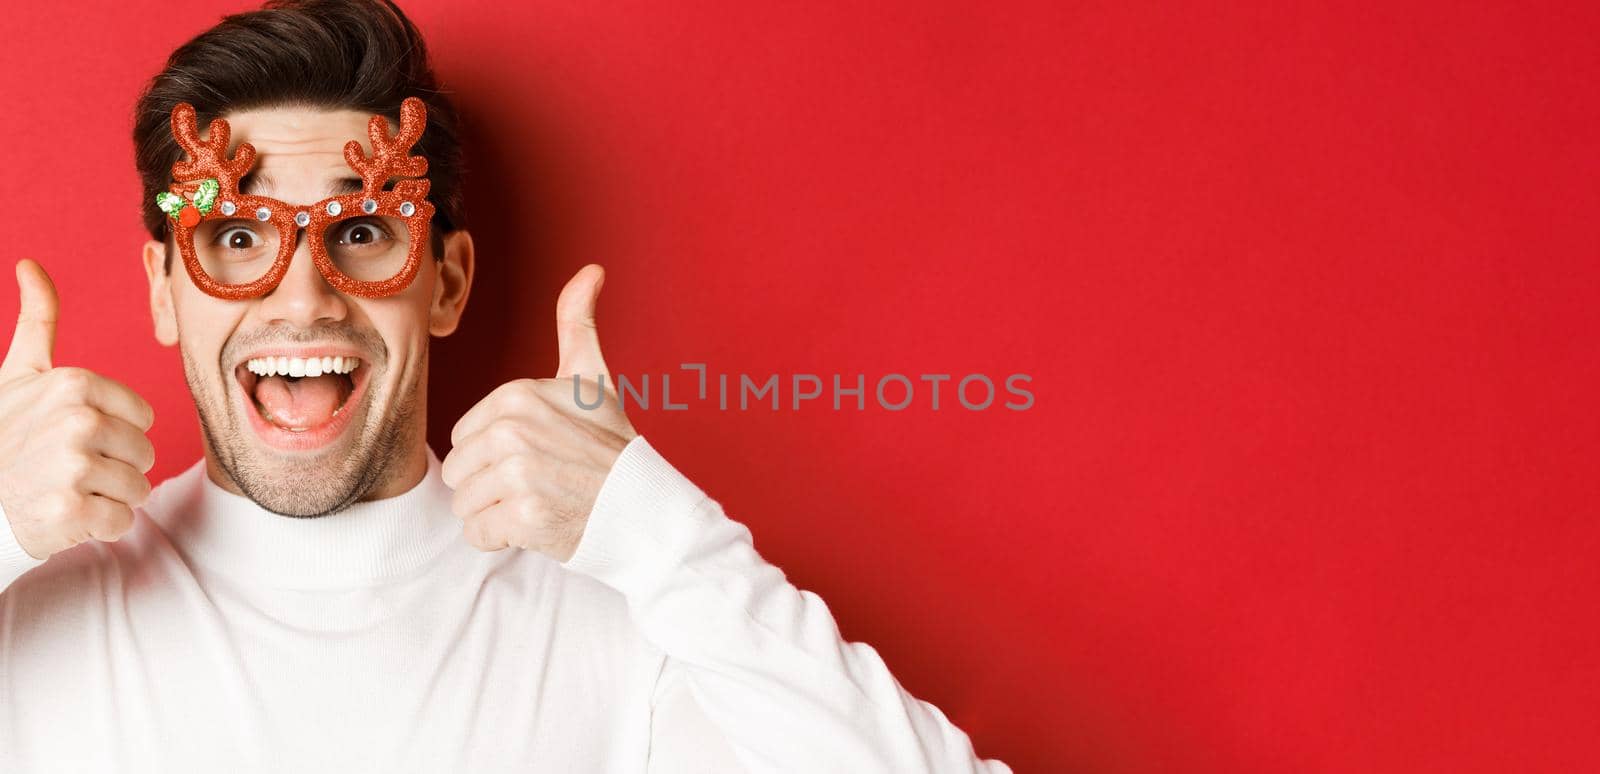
<point x="322" y="593"/>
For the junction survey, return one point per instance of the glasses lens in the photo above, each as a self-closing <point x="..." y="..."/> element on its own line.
<point x="236" y="251"/>
<point x="369" y="248"/>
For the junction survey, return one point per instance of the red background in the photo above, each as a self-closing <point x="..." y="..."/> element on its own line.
<point x="1309" y="298"/>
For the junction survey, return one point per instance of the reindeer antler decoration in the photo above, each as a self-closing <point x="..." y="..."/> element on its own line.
<point x="208" y="173"/>
<point x="390" y="157"/>
<point x="209" y="157"/>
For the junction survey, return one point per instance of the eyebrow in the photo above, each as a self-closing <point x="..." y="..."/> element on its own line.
<point x="255" y="182"/>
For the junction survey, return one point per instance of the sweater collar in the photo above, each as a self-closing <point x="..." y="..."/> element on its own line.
<point x="367" y="543"/>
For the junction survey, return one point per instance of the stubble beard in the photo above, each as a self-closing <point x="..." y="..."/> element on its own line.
<point x="308" y="487"/>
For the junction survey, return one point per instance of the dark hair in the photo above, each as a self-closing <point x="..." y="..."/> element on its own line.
<point x="353" y="54"/>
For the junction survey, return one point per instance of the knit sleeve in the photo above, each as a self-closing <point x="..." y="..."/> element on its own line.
<point x="763" y="659"/>
<point x="13" y="560"/>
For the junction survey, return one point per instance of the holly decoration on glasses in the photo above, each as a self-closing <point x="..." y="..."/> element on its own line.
<point x="179" y="209"/>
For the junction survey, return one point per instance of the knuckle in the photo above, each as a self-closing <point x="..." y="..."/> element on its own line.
<point x="141" y="490"/>
<point x="84" y="422"/>
<point x="121" y="520"/>
<point x="76" y="467"/>
<point x="72" y="382"/>
<point x="60" y="507"/>
<point x="78" y="535"/>
<point x="113" y="525"/>
<point x="523" y="396"/>
<point x="520" y="470"/>
<point x="478" y="535"/>
<point x="500" y="394"/>
<point x="530" y="513"/>
<point x="554" y="391"/>
<point x="516" y="400"/>
<point x="80" y="422"/>
<point x="506" y="432"/>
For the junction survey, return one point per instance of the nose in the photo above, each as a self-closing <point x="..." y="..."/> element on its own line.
<point x="303" y="298"/>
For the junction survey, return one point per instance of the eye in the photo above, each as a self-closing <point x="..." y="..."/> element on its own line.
<point x="238" y="238"/>
<point x="358" y="233"/>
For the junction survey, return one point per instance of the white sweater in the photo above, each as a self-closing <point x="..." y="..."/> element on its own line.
<point x="219" y="637"/>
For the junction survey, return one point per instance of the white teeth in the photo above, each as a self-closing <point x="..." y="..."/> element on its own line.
<point x="296" y="366"/>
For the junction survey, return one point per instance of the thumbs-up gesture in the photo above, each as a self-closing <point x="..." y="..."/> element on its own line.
<point x="73" y="451"/>
<point x="527" y="462"/>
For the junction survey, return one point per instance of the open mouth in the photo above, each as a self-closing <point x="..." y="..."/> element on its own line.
<point x="300" y="401"/>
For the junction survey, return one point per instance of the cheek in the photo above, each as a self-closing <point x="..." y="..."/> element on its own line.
<point x="204" y="326"/>
<point x="402" y="322"/>
<point x="205" y="323"/>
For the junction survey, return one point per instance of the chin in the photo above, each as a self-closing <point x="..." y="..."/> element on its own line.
<point x="306" y="480"/>
<point x="307" y="442"/>
<point x="299" y="483"/>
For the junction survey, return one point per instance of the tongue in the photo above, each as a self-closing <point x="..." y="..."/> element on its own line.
<point x="299" y="403"/>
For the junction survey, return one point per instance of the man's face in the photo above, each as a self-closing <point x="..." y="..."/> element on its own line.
<point x="309" y="445"/>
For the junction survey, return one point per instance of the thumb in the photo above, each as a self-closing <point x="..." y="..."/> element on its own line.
<point x="576" y="335"/>
<point x="35" y="337"/>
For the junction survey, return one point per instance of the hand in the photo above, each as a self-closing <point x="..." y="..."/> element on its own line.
<point x="527" y="462"/>
<point x="73" y="451"/>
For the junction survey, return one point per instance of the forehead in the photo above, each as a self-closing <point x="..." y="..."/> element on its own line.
<point x="299" y="150"/>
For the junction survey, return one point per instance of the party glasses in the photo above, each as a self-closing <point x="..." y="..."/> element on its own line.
<point x="238" y="246"/>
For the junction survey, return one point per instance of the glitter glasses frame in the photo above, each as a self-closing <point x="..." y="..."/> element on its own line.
<point x="406" y="201"/>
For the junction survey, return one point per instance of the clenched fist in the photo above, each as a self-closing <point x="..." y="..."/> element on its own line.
<point x="527" y="462"/>
<point x="73" y="451"/>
